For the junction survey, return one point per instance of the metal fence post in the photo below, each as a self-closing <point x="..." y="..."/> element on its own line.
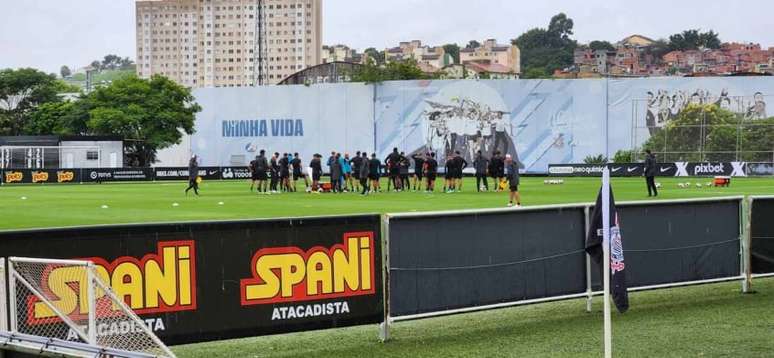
<point x="746" y="224"/>
<point x="384" y="327"/>
<point x="589" y="290"/>
<point x="92" y="304"/>
<point x="3" y="297"/>
<point x="12" y="298"/>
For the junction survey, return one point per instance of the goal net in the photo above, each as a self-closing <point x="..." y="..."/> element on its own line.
<point x="70" y="300"/>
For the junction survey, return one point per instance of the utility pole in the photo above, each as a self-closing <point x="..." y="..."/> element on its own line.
<point x="261" y="68"/>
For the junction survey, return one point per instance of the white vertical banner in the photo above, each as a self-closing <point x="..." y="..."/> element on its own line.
<point x="606" y="259"/>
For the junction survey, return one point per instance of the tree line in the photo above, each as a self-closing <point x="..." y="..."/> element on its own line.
<point x="109" y="62"/>
<point x="150" y="114"/>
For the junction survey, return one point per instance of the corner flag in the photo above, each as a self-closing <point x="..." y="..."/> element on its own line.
<point x="596" y="239"/>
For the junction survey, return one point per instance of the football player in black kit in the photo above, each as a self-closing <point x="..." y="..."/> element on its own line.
<point x="316" y="165"/>
<point x="298" y="172"/>
<point x="284" y="165"/>
<point x="275" y="172"/>
<point x="258" y="169"/>
<point x="459" y="165"/>
<point x="431" y="171"/>
<point x="357" y="163"/>
<point x="393" y="166"/>
<point x="419" y="165"/>
<point x="374" y="167"/>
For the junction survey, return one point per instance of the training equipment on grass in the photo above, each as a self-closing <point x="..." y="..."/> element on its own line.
<point x="91" y="314"/>
<point x="175" y="205"/>
<point x="104" y="206"/>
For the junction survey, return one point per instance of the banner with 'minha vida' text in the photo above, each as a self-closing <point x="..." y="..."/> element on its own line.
<point x="210" y="281"/>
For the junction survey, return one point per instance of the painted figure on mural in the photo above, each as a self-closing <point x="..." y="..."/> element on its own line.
<point x="467" y="126"/>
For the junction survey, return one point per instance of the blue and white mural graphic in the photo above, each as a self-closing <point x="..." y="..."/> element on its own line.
<point x="540" y="122"/>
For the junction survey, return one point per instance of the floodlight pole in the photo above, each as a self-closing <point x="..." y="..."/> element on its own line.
<point x="606" y="258"/>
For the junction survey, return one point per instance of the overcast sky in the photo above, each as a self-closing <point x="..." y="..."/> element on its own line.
<point x="46" y="34"/>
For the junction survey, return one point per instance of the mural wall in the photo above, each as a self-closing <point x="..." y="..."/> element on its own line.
<point x="541" y="122"/>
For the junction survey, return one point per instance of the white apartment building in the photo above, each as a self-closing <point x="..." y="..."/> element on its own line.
<point x="215" y="43"/>
<point x="491" y="53"/>
<point x="430" y="59"/>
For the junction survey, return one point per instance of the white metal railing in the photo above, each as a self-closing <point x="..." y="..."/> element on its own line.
<point x="744" y="275"/>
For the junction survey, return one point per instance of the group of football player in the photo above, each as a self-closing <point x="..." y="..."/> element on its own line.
<point x="361" y="173"/>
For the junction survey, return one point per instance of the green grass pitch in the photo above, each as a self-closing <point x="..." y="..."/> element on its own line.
<point x="29" y="206"/>
<point x="711" y="320"/>
<point x="701" y="321"/>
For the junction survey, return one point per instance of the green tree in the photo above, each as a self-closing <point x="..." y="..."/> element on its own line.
<point x="595" y="159"/>
<point x="149" y="114"/>
<point x="697" y="128"/>
<point x="694" y="39"/>
<point x="758" y="140"/>
<point x="601" y="45"/>
<point x="49" y="119"/>
<point x="623" y="156"/>
<point x="545" y="50"/>
<point x="376" y="55"/>
<point x="65" y="72"/>
<point x="536" y="73"/>
<point x="454" y="51"/>
<point x="393" y="71"/>
<point x="657" y="50"/>
<point x="473" y="44"/>
<point x="64" y="87"/>
<point x="561" y="27"/>
<point x="96" y="65"/>
<point x="710" y="39"/>
<point x="21" y="91"/>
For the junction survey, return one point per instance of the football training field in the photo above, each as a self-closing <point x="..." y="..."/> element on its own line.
<point x="710" y="320"/>
<point x="91" y="204"/>
<point x="700" y="321"/>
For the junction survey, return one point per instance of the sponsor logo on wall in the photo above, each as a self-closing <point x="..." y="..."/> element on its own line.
<point x="208" y="173"/>
<point x="678" y="169"/>
<point x="235" y="173"/>
<point x="760" y="169"/>
<point x="39" y="177"/>
<point x="271" y="276"/>
<point x="262" y="128"/>
<point x="65" y="176"/>
<point x="289" y="274"/>
<point x="14" y="177"/>
<point x="159" y="282"/>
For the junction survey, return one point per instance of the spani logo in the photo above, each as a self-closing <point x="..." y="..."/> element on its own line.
<point x="289" y="274"/>
<point x="251" y="148"/>
<point x="160" y="282"/>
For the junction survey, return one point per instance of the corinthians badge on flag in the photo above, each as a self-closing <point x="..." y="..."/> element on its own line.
<point x="594" y="239"/>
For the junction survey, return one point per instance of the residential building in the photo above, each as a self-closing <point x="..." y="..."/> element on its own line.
<point x="636" y="41"/>
<point x="492" y="53"/>
<point x="340" y="53"/>
<point x="215" y="43"/>
<point x="430" y="59"/>
<point x="633" y="57"/>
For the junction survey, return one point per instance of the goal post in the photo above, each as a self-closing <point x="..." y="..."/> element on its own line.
<point x="68" y="300"/>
